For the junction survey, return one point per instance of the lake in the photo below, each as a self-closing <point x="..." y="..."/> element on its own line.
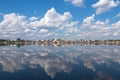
<point x="69" y="62"/>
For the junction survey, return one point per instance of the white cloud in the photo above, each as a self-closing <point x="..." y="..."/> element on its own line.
<point x="53" y="23"/>
<point x="27" y="30"/>
<point x="56" y="25"/>
<point x="117" y="33"/>
<point x="118" y="15"/>
<point x="12" y="19"/>
<point x="52" y="19"/>
<point x="77" y="3"/>
<point x="43" y="31"/>
<point x="12" y="25"/>
<point x="33" y="18"/>
<point x="105" y="5"/>
<point x="89" y="19"/>
<point x="91" y="29"/>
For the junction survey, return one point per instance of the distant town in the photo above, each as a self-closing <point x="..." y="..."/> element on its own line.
<point x="57" y="42"/>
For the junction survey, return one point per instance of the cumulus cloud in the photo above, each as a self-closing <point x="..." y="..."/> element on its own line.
<point x="53" y="23"/>
<point x="52" y="19"/>
<point x="43" y="31"/>
<point x="56" y="25"/>
<point x="12" y="24"/>
<point x="118" y="15"/>
<point x="77" y="3"/>
<point x="91" y="29"/>
<point x="105" y="5"/>
<point x="33" y="18"/>
<point x="89" y="19"/>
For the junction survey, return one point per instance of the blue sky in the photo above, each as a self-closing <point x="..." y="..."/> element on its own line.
<point x="66" y="19"/>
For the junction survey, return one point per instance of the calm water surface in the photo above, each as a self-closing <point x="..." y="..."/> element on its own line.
<point x="91" y="62"/>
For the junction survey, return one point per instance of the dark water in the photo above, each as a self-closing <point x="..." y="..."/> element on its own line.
<point x="101" y="62"/>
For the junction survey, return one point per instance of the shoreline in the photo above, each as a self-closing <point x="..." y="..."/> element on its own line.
<point x="59" y="42"/>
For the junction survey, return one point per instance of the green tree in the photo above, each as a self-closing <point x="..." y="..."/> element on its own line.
<point x="18" y="39"/>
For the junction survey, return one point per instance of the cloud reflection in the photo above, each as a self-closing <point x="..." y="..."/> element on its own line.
<point x="58" y="59"/>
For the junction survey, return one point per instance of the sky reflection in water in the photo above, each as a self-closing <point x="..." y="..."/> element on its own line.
<point x="101" y="62"/>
